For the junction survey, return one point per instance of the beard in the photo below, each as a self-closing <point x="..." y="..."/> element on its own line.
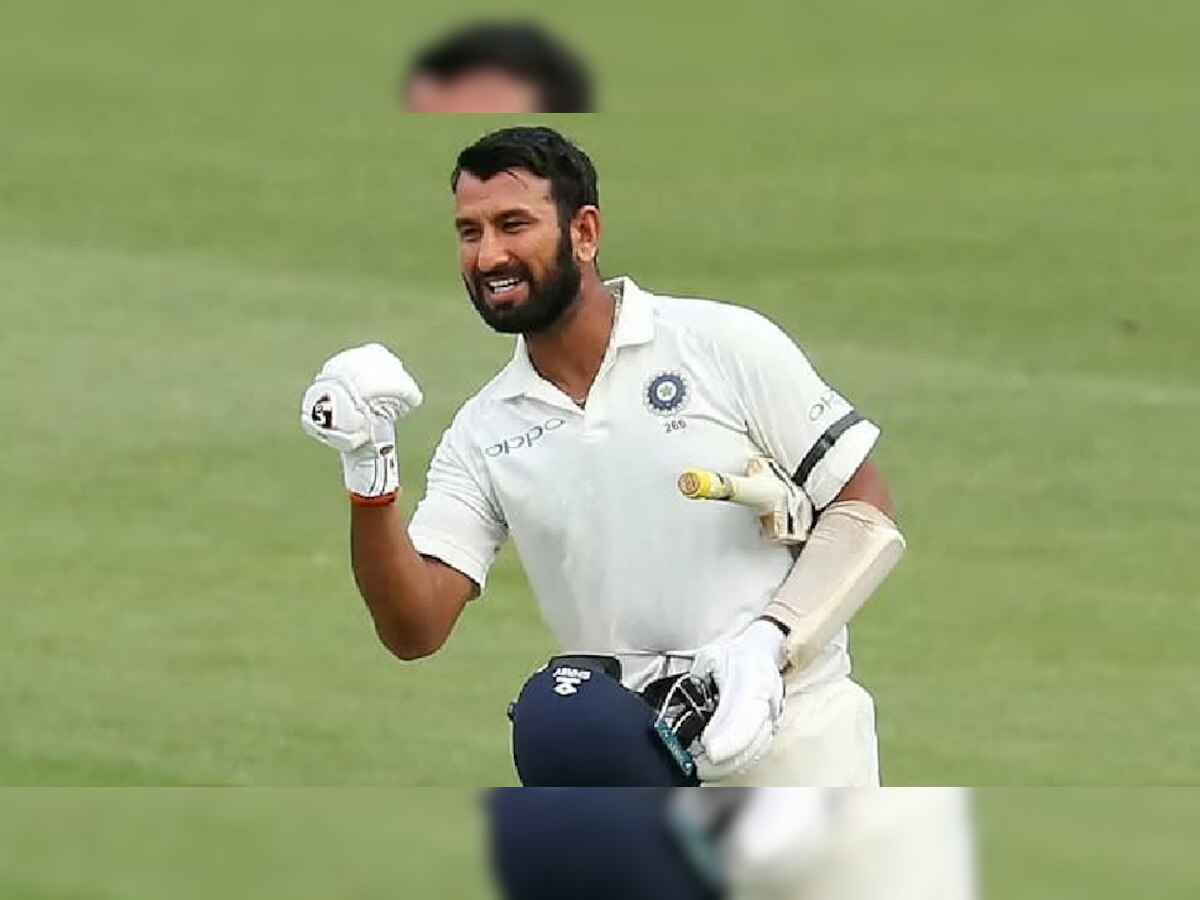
<point x="547" y="298"/>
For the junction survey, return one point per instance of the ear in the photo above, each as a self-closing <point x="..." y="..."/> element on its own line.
<point x="585" y="234"/>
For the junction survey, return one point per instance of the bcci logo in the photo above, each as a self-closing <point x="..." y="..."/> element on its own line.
<point x="666" y="393"/>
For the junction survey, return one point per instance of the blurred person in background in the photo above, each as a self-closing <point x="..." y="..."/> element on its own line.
<point x="496" y="67"/>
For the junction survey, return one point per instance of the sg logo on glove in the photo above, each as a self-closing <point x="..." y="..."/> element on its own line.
<point x="322" y="412"/>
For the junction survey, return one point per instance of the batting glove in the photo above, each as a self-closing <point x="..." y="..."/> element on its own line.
<point x="792" y="518"/>
<point x="746" y="671"/>
<point x="353" y="405"/>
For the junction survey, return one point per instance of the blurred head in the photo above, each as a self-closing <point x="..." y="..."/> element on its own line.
<point x="528" y="222"/>
<point x="583" y="844"/>
<point x="498" y="68"/>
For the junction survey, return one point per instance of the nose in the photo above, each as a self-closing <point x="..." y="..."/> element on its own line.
<point x="492" y="252"/>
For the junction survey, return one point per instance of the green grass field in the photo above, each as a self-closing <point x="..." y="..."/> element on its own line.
<point x="1004" y="275"/>
<point x="359" y="844"/>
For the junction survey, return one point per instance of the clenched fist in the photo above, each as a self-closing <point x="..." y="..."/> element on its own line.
<point x="353" y="405"/>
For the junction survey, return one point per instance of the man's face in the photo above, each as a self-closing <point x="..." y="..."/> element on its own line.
<point x="478" y="91"/>
<point x="517" y="261"/>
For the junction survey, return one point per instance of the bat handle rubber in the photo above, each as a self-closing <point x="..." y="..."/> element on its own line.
<point x="701" y="484"/>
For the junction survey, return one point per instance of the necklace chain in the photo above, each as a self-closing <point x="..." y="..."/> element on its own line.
<point x="618" y="297"/>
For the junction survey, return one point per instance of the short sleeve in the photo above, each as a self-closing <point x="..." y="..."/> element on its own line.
<point x="792" y="415"/>
<point x="457" y="521"/>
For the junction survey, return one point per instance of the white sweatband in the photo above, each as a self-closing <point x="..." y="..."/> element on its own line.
<point x="851" y="549"/>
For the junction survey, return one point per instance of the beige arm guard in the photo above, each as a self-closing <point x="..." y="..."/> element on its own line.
<point x="852" y="548"/>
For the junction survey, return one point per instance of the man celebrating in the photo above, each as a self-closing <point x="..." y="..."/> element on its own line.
<point x="574" y="450"/>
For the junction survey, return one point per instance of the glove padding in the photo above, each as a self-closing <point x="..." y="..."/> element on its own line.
<point x="746" y="671"/>
<point x="791" y="521"/>
<point x="353" y="405"/>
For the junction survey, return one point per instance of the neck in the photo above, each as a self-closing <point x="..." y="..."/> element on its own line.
<point x="569" y="353"/>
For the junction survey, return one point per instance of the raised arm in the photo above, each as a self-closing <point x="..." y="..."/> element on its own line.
<point x="414" y="600"/>
<point x="414" y="597"/>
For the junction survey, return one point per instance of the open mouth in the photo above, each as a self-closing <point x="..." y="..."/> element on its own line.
<point x="502" y="289"/>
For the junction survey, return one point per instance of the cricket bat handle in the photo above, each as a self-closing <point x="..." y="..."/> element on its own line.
<point x="762" y="492"/>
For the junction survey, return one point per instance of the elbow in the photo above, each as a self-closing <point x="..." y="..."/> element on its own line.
<point x="888" y="508"/>
<point x="868" y="485"/>
<point x="407" y="647"/>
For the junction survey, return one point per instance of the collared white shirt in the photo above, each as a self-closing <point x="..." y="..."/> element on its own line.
<point x="618" y="560"/>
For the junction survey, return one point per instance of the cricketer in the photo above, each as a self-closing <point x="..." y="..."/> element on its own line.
<point x="575" y="451"/>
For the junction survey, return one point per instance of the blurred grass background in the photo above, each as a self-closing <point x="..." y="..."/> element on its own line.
<point x="1103" y="844"/>
<point x="356" y="844"/>
<point x="979" y="222"/>
<point x="300" y="844"/>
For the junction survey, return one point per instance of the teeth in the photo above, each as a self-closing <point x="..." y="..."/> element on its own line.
<point x="504" y="285"/>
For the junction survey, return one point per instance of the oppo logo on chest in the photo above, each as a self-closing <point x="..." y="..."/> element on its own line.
<point x="519" y="442"/>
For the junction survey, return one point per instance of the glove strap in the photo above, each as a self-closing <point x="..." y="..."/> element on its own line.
<point x="372" y="472"/>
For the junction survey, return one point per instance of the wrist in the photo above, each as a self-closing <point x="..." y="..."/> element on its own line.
<point x="381" y="500"/>
<point x="371" y="473"/>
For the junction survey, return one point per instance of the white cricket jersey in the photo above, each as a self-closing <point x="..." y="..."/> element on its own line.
<point x="620" y="562"/>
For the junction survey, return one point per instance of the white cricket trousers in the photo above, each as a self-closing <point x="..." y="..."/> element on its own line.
<point x="826" y="738"/>
<point x="858" y="844"/>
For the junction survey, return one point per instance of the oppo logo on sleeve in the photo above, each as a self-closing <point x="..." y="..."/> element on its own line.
<point x="522" y="441"/>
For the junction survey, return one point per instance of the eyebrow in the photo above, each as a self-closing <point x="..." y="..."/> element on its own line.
<point x="459" y="221"/>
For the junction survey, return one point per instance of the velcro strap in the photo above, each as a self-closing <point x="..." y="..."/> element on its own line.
<point x="606" y="665"/>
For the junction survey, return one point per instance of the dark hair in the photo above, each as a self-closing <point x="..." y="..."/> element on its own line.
<point x="521" y="49"/>
<point x="541" y="151"/>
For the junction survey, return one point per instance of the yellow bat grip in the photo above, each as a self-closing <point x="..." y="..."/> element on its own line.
<point x="700" y="484"/>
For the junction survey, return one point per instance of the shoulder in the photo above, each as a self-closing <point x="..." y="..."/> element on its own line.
<point x="477" y="413"/>
<point x="723" y="326"/>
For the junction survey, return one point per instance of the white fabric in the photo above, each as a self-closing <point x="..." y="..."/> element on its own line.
<point x="824" y="738"/>
<point x="779" y="838"/>
<point x="896" y="844"/>
<point x="854" y="844"/>
<point x="353" y="405"/>
<point x="619" y="561"/>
